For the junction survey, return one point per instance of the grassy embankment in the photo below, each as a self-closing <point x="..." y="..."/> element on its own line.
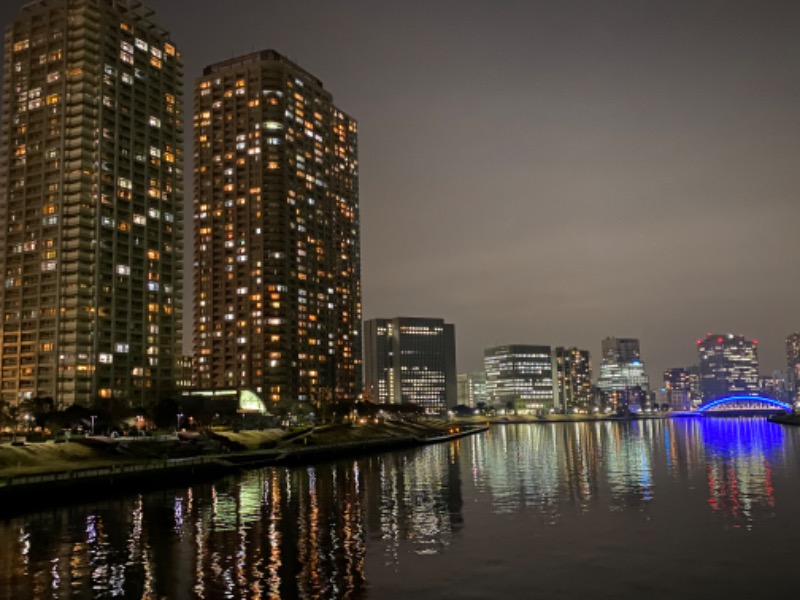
<point x="49" y="457"/>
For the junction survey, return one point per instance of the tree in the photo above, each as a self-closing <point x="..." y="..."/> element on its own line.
<point x="39" y="407"/>
<point x="462" y="410"/>
<point x="165" y="413"/>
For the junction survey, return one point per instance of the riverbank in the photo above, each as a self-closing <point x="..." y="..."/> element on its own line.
<point x="526" y="419"/>
<point x="34" y="474"/>
<point x="785" y="419"/>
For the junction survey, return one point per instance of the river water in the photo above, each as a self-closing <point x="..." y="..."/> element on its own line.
<point x="684" y="508"/>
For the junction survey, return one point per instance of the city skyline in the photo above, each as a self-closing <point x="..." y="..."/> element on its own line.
<point x="658" y="141"/>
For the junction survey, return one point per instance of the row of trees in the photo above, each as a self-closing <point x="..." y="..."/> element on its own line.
<point x="105" y="415"/>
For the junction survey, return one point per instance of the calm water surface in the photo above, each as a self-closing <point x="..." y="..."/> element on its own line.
<point x="693" y="508"/>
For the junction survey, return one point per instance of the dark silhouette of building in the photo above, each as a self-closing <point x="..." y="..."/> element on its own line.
<point x="411" y="361"/>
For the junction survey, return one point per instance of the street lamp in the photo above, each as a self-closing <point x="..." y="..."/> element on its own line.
<point x="93" y="417"/>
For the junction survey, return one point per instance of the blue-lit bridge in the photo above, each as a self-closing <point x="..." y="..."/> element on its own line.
<point x="743" y="405"/>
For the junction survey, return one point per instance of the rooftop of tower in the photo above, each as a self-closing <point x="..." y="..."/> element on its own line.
<point x="139" y="12"/>
<point x="260" y="56"/>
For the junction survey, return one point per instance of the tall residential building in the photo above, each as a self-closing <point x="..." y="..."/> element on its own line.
<point x="681" y="388"/>
<point x="411" y="360"/>
<point x="572" y="379"/>
<point x="519" y="377"/>
<point x="793" y="366"/>
<point x="277" y="267"/>
<point x="91" y="193"/>
<point x="728" y="365"/>
<point x="621" y="367"/>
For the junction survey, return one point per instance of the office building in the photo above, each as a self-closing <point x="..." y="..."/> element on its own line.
<point x="91" y="193"/>
<point x="572" y="379"/>
<point x="277" y="283"/>
<point x="520" y="378"/>
<point x="472" y="389"/>
<point x="621" y="367"/>
<point x="728" y="365"/>
<point x="793" y="366"/>
<point x="410" y="361"/>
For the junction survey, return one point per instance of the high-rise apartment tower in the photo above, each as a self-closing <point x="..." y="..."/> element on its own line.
<point x="572" y="380"/>
<point x="793" y="365"/>
<point x="90" y="204"/>
<point x="277" y="284"/>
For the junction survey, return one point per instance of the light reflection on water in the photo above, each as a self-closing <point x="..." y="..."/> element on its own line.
<point x="593" y="496"/>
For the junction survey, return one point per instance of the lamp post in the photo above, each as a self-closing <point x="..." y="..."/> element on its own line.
<point x="93" y="417"/>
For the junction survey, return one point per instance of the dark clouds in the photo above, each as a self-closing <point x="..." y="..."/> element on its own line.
<point x="555" y="172"/>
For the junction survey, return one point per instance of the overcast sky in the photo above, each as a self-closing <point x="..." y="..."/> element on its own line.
<point x="554" y="172"/>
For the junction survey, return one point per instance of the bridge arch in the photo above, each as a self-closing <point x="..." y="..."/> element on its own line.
<point x="738" y="402"/>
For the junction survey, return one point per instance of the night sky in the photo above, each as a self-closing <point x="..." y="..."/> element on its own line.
<point x="555" y="172"/>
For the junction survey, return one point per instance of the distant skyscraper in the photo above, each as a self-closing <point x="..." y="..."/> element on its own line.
<point x="91" y="204"/>
<point x="572" y="379"/>
<point x="411" y="361"/>
<point x="793" y="365"/>
<point x="277" y="283"/>
<point x="621" y="367"/>
<point x="680" y="385"/>
<point x="472" y="388"/>
<point x="621" y="350"/>
<point x="774" y="386"/>
<point x="520" y="376"/>
<point x="728" y="365"/>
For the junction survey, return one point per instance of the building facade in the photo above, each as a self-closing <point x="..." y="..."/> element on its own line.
<point x="621" y="367"/>
<point x="623" y="381"/>
<point x="793" y="366"/>
<point x="520" y="378"/>
<point x="91" y="195"/>
<point x="277" y="267"/>
<point x="410" y="361"/>
<point x="572" y="378"/>
<point x="728" y="365"/>
<point x="681" y="386"/>
<point x="472" y="389"/>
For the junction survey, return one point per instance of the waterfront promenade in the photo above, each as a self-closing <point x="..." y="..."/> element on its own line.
<point x="93" y="466"/>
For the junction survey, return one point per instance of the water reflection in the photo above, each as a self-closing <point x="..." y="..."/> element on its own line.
<point x="311" y="532"/>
